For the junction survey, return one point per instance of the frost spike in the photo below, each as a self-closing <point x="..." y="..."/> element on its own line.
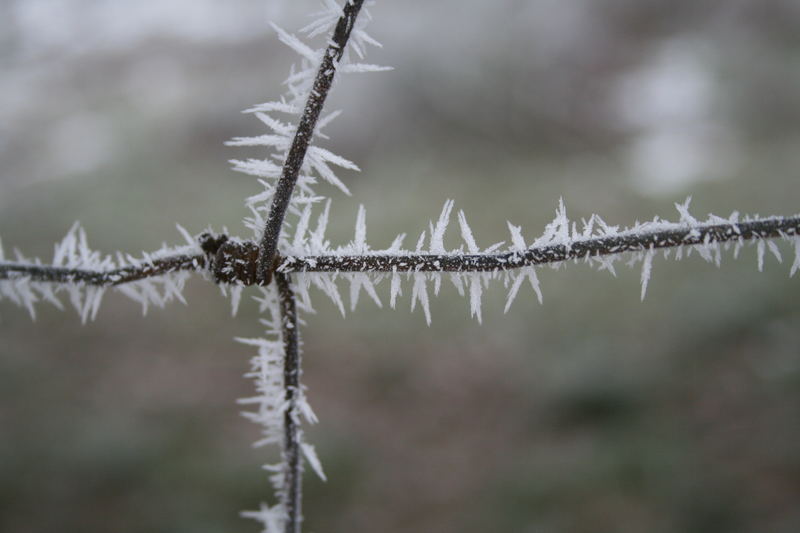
<point x="775" y="251"/>
<point x="302" y="227"/>
<point x="530" y="274"/>
<point x="421" y="241"/>
<point x="295" y="44"/>
<point x="360" y="238"/>
<point x="311" y="456"/>
<point x="420" y="292"/>
<point x="437" y="232"/>
<point x="796" y="263"/>
<point x="317" y="238"/>
<point x="516" y="237"/>
<point x="359" y="68"/>
<point x="457" y="282"/>
<point x="647" y="267"/>
<point x="475" y="292"/>
<point x="189" y="239"/>
<point x="359" y="280"/>
<point x="683" y="209"/>
<point x="397" y="244"/>
<point x="395" y="289"/>
<point x="236" y="297"/>
<point x="466" y="233"/>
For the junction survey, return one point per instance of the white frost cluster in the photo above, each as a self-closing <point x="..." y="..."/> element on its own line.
<point x="73" y="252"/>
<point x="561" y="231"/>
<point x="281" y="116"/>
<point x="268" y="407"/>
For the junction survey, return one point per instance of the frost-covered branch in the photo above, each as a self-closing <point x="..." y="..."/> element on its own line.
<point x="100" y="278"/>
<point x="84" y="274"/>
<point x="669" y="237"/>
<point x="305" y="131"/>
<point x="280" y="404"/>
<point x="470" y="268"/>
<point x="289" y="189"/>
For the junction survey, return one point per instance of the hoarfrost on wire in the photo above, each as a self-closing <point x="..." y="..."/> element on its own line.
<point x="74" y="252"/>
<point x="318" y="165"/>
<point x="268" y="407"/>
<point x="560" y="232"/>
<point x="319" y="162"/>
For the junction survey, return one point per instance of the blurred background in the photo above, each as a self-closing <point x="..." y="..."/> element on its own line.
<point x="593" y="412"/>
